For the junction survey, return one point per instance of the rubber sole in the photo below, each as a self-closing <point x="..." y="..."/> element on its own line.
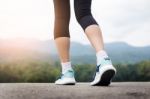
<point x="106" y="78"/>
<point x="66" y="84"/>
<point x="69" y="84"/>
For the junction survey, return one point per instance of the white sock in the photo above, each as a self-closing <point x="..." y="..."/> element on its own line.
<point x="101" y="55"/>
<point x="66" y="66"/>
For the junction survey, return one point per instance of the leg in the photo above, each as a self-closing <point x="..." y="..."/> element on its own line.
<point x="62" y="40"/>
<point x="104" y="69"/>
<point x="88" y="23"/>
<point x="61" y="28"/>
<point x="96" y="39"/>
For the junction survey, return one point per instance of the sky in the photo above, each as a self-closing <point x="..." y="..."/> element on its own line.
<point x="120" y="20"/>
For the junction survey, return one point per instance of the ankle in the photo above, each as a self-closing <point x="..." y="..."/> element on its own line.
<point x="101" y="55"/>
<point x="66" y="66"/>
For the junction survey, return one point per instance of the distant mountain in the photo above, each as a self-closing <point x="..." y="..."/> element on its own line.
<point x="124" y="53"/>
<point x="46" y="50"/>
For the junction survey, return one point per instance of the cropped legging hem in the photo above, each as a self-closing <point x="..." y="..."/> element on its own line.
<point x="87" y="21"/>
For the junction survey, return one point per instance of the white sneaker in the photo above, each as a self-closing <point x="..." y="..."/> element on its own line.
<point x="104" y="73"/>
<point x="66" y="79"/>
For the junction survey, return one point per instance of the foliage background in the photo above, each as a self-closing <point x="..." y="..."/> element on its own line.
<point x="38" y="71"/>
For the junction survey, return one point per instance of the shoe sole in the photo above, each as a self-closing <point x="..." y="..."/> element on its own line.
<point x="68" y="81"/>
<point x="69" y="84"/>
<point x="66" y="84"/>
<point x="106" y="78"/>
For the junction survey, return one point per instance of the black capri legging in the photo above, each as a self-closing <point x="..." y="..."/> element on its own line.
<point x="62" y="16"/>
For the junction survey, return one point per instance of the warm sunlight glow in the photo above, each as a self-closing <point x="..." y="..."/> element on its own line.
<point x="124" y="20"/>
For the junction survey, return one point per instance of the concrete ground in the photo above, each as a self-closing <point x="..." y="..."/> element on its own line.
<point x="124" y="90"/>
